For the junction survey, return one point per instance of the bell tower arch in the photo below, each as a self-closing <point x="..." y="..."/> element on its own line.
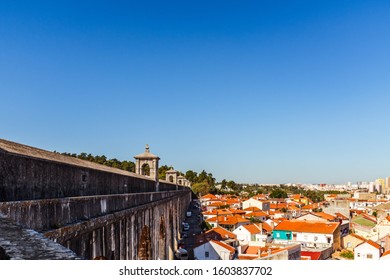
<point x="146" y="164"/>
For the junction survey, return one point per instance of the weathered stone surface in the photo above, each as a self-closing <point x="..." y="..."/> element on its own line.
<point x="119" y="235"/>
<point x="17" y="243"/>
<point x="47" y="214"/>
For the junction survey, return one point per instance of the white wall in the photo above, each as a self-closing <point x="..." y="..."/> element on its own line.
<point x="362" y="252"/>
<point x="314" y="237"/>
<point x="200" y="252"/>
<point x="243" y="235"/>
<point x="215" y="251"/>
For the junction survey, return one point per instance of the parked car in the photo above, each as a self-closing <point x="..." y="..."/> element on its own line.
<point x="181" y="254"/>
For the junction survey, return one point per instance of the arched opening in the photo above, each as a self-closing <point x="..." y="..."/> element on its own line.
<point x="145" y="169"/>
<point x="170" y="179"/>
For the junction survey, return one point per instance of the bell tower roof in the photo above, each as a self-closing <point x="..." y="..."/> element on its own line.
<point x="147" y="154"/>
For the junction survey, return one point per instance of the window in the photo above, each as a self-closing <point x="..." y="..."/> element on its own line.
<point x="288" y="235"/>
<point x="315" y="238"/>
<point x="349" y="245"/>
<point x="84" y="178"/>
<point x="369" y="256"/>
<point x="294" y="236"/>
<point x="329" y="239"/>
<point x="358" y="255"/>
<point x="206" y="254"/>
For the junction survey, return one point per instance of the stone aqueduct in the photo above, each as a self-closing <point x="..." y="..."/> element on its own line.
<point x="58" y="207"/>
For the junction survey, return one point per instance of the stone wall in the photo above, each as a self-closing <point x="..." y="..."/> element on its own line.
<point x="28" y="178"/>
<point x="141" y="233"/>
<point x="18" y="243"/>
<point x="48" y="214"/>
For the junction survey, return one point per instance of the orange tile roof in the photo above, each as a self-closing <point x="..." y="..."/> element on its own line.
<point x="264" y="251"/>
<point x="266" y="227"/>
<point x="223" y="232"/>
<point x="307" y="226"/>
<point x="386" y="253"/>
<point x="218" y="212"/>
<point x="228" y="220"/>
<point x="237" y="212"/>
<point x="244" y="257"/>
<point x="209" y="196"/>
<point x="341" y="216"/>
<point x="233" y="200"/>
<point x="224" y="245"/>
<point x="372" y="243"/>
<point x="252" y="250"/>
<point x="252" y="228"/>
<point x="217" y="204"/>
<point x="256" y="214"/>
<point x="326" y="216"/>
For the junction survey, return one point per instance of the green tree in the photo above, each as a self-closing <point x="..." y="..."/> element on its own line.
<point x="201" y="188"/>
<point x="191" y="176"/>
<point x="278" y="193"/>
<point x="162" y="171"/>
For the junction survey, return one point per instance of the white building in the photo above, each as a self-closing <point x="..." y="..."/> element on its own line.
<point x="252" y="235"/>
<point x="368" y="250"/>
<point x="214" y="250"/>
<point x="312" y="234"/>
<point x="263" y="205"/>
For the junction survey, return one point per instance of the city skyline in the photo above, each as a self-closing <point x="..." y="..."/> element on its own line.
<point x="253" y="92"/>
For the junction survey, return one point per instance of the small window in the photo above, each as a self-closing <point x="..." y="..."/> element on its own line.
<point x="349" y="245"/>
<point x="358" y="254"/>
<point x="84" y="178"/>
<point x="369" y="256"/>
<point x="206" y="254"/>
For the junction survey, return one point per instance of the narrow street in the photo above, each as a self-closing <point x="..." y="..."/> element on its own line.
<point x="188" y="237"/>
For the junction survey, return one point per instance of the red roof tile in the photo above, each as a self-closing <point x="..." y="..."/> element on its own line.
<point x="252" y="228"/>
<point x="224" y="245"/>
<point x="386" y="253"/>
<point x="308" y="226"/>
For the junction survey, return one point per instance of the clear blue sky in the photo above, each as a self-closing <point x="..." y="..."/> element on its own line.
<point x="253" y="91"/>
